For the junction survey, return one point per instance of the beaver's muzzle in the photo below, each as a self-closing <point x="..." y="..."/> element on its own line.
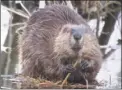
<point x="77" y="33"/>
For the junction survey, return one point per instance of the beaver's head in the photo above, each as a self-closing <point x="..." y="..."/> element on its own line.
<point x="69" y="42"/>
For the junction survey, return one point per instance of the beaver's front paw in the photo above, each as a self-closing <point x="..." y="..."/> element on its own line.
<point x="85" y="66"/>
<point x="69" y="69"/>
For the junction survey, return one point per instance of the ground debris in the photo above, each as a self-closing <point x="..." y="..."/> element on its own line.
<point x="26" y="82"/>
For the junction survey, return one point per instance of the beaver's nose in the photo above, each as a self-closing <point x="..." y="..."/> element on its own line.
<point x="76" y="34"/>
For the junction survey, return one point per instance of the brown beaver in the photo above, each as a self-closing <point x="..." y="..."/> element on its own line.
<point x="54" y="39"/>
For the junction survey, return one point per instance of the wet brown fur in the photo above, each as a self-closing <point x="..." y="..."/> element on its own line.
<point x="43" y="44"/>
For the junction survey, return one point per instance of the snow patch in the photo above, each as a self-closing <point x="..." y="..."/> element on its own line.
<point x="5" y="18"/>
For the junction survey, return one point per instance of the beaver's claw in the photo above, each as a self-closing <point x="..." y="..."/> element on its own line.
<point x="84" y="64"/>
<point x="69" y="68"/>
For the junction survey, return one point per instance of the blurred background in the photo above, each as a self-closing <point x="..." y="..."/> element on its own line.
<point x="104" y="17"/>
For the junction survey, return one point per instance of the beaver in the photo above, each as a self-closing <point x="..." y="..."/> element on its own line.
<point x="54" y="39"/>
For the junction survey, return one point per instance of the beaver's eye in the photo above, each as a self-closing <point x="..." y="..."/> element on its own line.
<point x="66" y="30"/>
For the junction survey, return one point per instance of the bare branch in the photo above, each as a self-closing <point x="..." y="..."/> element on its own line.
<point x="109" y="46"/>
<point x="14" y="11"/>
<point x="98" y="24"/>
<point x="113" y="49"/>
<point x="25" y="8"/>
<point x="12" y="25"/>
<point x="109" y="53"/>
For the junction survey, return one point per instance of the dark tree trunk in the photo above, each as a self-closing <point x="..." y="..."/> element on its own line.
<point x="108" y="28"/>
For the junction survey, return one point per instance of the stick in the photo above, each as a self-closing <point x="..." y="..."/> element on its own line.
<point x="15" y="24"/>
<point x="64" y="81"/>
<point x="18" y="13"/>
<point x="25" y="8"/>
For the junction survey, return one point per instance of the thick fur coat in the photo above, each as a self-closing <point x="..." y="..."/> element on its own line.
<point x="47" y="48"/>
